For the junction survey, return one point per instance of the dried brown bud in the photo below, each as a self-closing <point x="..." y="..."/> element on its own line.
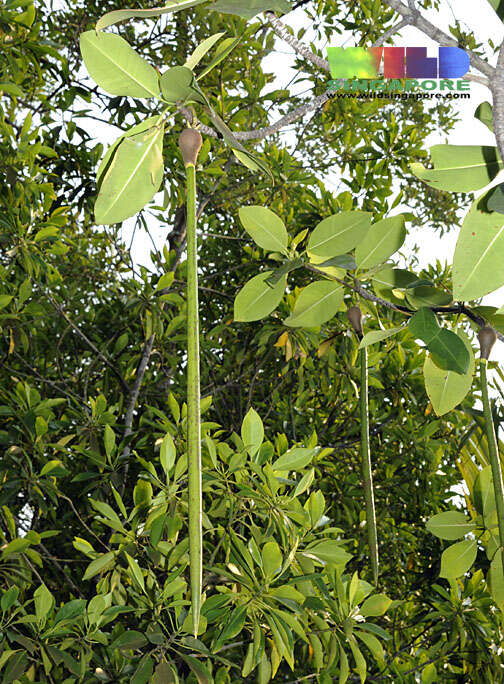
<point x="355" y="317"/>
<point x="190" y="142"/>
<point x="487" y="338"/>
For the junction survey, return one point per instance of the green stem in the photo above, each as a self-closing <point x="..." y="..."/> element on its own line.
<point x="367" y="476"/>
<point x="494" y="455"/>
<point x="193" y="403"/>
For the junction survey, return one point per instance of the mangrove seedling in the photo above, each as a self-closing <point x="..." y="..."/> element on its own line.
<point x="355" y="317"/>
<point x="190" y="145"/>
<point x="487" y="338"/>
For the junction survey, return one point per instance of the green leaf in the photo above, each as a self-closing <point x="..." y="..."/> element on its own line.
<point x="202" y="49"/>
<point x="294" y="459"/>
<point x="10" y="89"/>
<point x="100" y="564"/>
<point x="5" y="300"/>
<point x="257" y="299"/>
<point x="135" y="571"/>
<point x="389" y="284"/>
<point x="376" y="605"/>
<point x="445" y="388"/>
<point x="15" y="668"/>
<point x="222" y="51"/>
<point x="360" y="661"/>
<point x="426" y="295"/>
<point x="498" y="6"/>
<point x="120" y="15"/>
<point x="450" y="525"/>
<point x="458" y="558"/>
<point x="9" y="598"/>
<point x="105" y="509"/>
<point x="44" y="602"/>
<point x="484" y="112"/>
<point x="382" y="240"/>
<point x="459" y="168"/>
<point x="304" y="483"/>
<point x="271" y="559"/>
<point x="328" y="551"/>
<point x="338" y="234"/>
<point x="493" y="200"/>
<point x="129" y="640"/>
<point x="252" y="432"/>
<point x="317" y="303"/>
<point x="167" y="453"/>
<point x="17" y="545"/>
<point x="448" y="350"/>
<point x="116" y="67"/>
<point x="232" y="628"/>
<point x="179" y="85"/>
<point x="249" y="8"/>
<point x="265" y="228"/>
<point x="199" y="670"/>
<point x="132" y="178"/>
<point x="496" y="579"/>
<point x="378" y="335"/>
<point x="147" y="124"/>
<point x="373" y="645"/>
<point x="478" y="266"/>
<point x="483" y="492"/>
<point x="109" y="440"/>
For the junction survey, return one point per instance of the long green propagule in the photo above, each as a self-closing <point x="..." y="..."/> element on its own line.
<point x="190" y="145"/>
<point x="487" y="338"/>
<point x="355" y="317"/>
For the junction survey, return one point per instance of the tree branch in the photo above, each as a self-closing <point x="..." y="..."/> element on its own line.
<point x="498" y="102"/>
<point x="283" y="32"/>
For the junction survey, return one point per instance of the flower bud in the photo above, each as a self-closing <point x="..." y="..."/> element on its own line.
<point x="355" y="317"/>
<point x="487" y="338"/>
<point x="190" y="142"/>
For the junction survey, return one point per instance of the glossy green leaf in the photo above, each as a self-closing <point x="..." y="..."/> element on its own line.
<point x="304" y="483"/>
<point x="232" y="627"/>
<point x="179" y="85"/>
<point x="294" y="459"/>
<point x="167" y="453"/>
<point x="44" y="602"/>
<point x="459" y="168"/>
<point x="458" y="558"/>
<point x="373" y="645"/>
<point x="445" y="388"/>
<point x="198" y="54"/>
<point x="449" y="352"/>
<point x="317" y="303"/>
<point x="378" y="335"/>
<point x="265" y="228"/>
<point x="496" y="579"/>
<point x="252" y="432"/>
<point x="9" y="598"/>
<point x="426" y="295"/>
<point x="483" y="492"/>
<point x="116" y="67"/>
<point x="484" y="112"/>
<point x="382" y="240"/>
<point x="493" y="200"/>
<point x="249" y="8"/>
<point x="376" y="605"/>
<point x="478" y="266"/>
<point x="338" y="234"/>
<point x="221" y="52"/>
<point x="10" y="89"/>
<point x="498" y="6"/>
<point x="129" y="640"/>
<point x="132" y="178"/>
<point x="135" y="571"/>
<point x="328" y="551"/>
<point x="99" y="564"/>
<point x="450" y="525"/>
<point x="390" y="284"/>
<point x="120" y="15"/>
<point x="272" y="560"/>
<point x="257" y="299"/>
<point x="199" y="670"/>
<point x="146" y="125"/>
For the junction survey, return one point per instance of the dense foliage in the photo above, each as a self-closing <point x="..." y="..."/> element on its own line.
<point x="94" y="559"/>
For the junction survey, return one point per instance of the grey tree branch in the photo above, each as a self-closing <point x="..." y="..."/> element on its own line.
<point x="498" y="102"/>
<point x="416" y="19"/>
<point x="283" y="32"/>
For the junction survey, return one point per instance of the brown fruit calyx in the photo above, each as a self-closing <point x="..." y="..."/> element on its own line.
<point x="355" y="317"/>
<point x="487" y="338"/>
<point x="190" y="142"/>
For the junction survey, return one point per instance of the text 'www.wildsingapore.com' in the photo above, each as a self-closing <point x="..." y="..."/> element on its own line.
<point x="381" y="95"/>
